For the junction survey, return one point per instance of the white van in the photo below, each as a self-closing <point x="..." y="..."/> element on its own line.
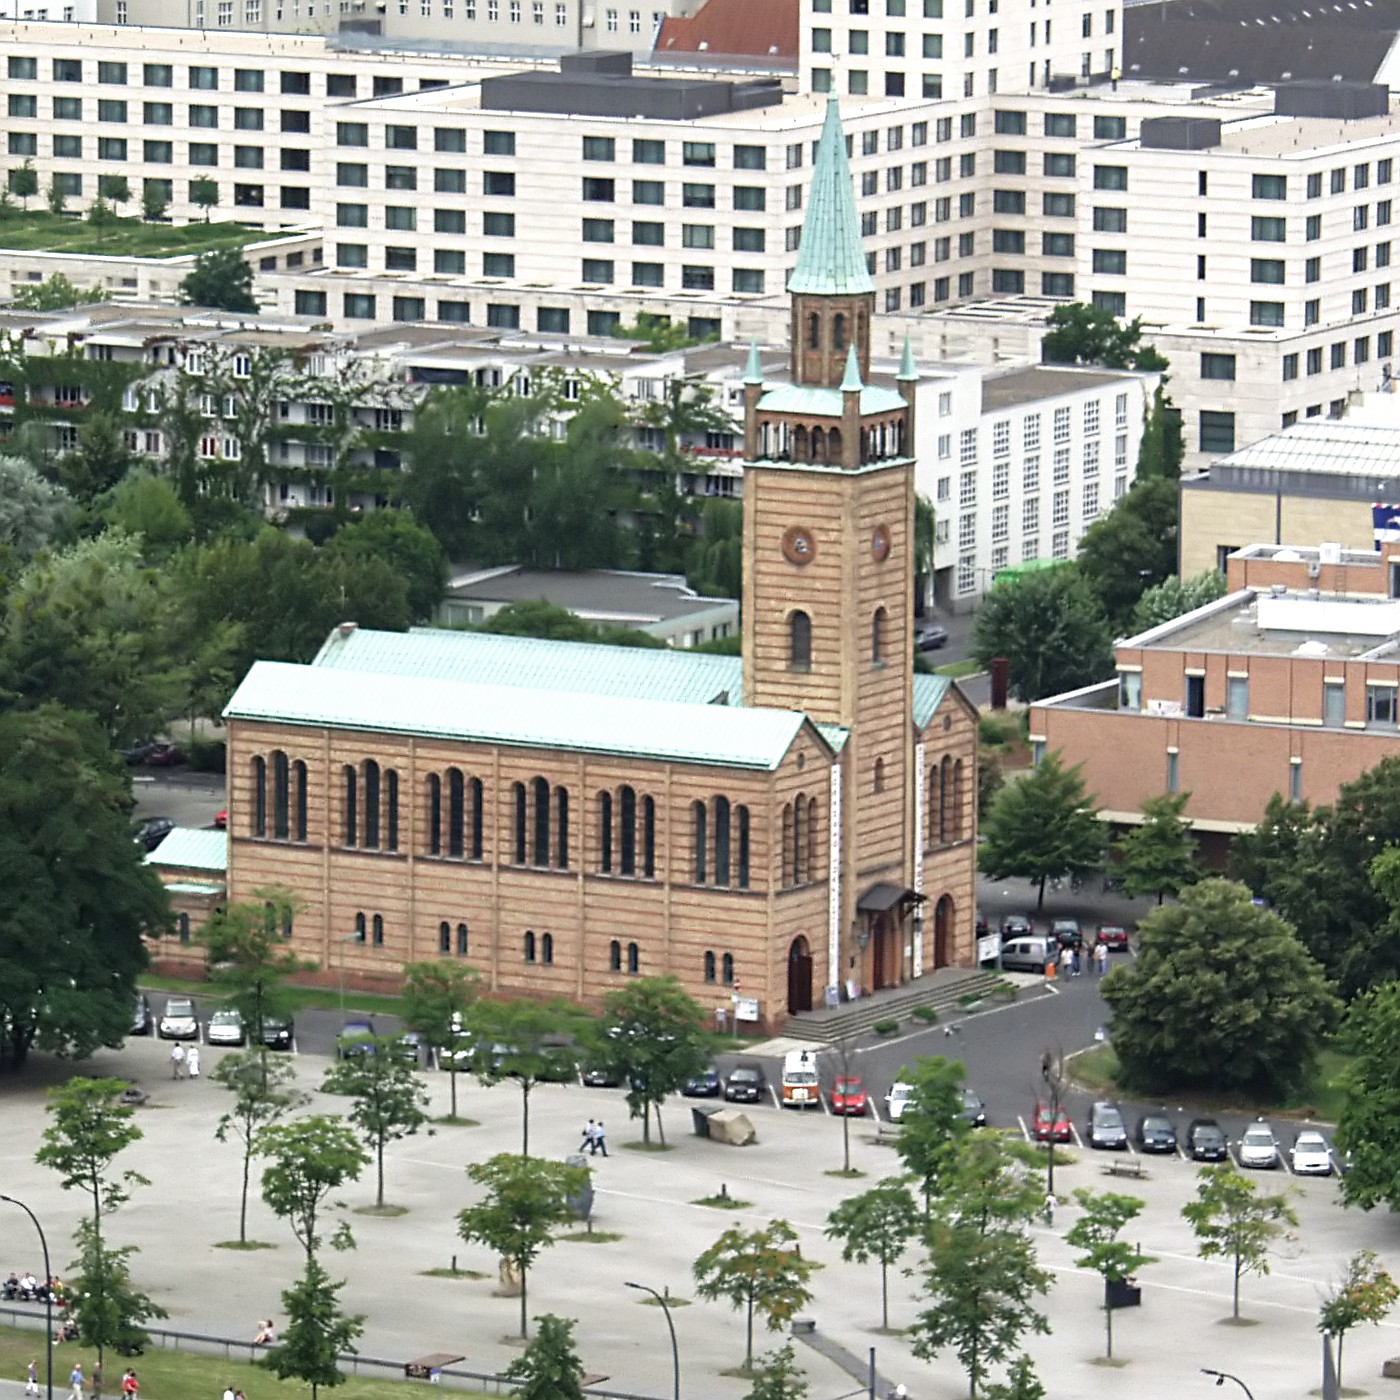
<point x="1025" y="955"/>
<point x="800" y="1085"/>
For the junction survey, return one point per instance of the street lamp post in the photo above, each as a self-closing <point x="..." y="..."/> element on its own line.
<point x="48" y="1289"/>
<point x="1222" y="1376"/>
<point x="675" y="1350"/>
<point x="356" y="937"/>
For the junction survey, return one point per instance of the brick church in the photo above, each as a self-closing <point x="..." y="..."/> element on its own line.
<point x="774" y="830"/>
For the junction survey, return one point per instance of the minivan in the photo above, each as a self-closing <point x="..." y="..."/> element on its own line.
<point x="1024" y="955"/>
<point x="800" y="1085"/>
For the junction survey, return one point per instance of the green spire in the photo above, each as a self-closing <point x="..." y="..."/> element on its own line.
<point x="753" y="371"/>
<point x="851" y="384"/>
<point x="907" y="369"/>
<point x="831" y="259"/>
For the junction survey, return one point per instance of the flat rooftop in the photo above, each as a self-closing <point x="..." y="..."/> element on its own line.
<point x="1038" y="382"/>
<point x="598" y="594"/>
<point x="1288" y="624"/>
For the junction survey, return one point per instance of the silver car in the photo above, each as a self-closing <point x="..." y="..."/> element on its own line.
<point x="225" y="1028"/>
<point x="1259" y="1147"/>
<point x="178" y="1021"/>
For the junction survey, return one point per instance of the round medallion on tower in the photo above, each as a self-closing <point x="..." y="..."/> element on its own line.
<point x="880" y="544"/>
<point x="798" y="545"/>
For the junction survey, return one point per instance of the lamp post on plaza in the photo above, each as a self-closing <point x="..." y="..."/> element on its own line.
<point x="48" y="1289"/>
<point x="675" y="1350"/>
<point x="1222" y="1376"/>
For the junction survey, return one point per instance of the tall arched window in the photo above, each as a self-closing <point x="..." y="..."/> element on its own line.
<point x="799" y="839"/>
<point x="456" y="812"/>
<point x="789" y="877"/>
<point x="627" y="812"/>
<point x="709" y="967"/>
<point x="529" y="945"/>
<point x="371" y="780"/>
<point x="547" y="949"/>
<point x="879" y="775"/>
<point x="478" y="808"/>
<point x="391" y="812"/>
<point x="945" y="784"/>
<point x="957" y="832"/>
<point x="614" y="956"/>
<point x="281" y="797"/>
<point x="814" y="332"/>
<point x="183" y="923"/>
<point x="378" y="927"/>
<point x="352" y="810"/>
<point x="299" y="798"/>
<point x="359" y="928"/>
<point x="800" y="641"/>
<point x="811" y="828"/>
<point x="727" y="972"/>
<point x="648" y="838"/>
<point x="463" y="940"/>
<point x="838" y="332"/>
<point x="540" y="792"/>
<point x="522" y="825"/>
<point x="721" y="840"/>
<point x="433" y="798"/>
<point x="561" y="828"/>
<point x="444" y="937"/>
<point x="634" y="958"/>
<point x="605" y="833"/>
<point x="259" y="796"/>
<point x="877" y="637"/>
<point x="702" y="861"/>
<point x="742" y="813"/>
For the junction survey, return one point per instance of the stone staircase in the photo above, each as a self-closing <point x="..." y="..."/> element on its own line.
<point x="941" y="991"/>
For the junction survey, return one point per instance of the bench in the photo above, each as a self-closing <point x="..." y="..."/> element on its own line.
<point x="1126" y="1166"/>
<point x="886" y="1132"/>
<point x="425" y="1366"/>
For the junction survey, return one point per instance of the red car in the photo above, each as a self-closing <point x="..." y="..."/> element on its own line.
<point x="1050" y="1125"/>
<point x="1114" y="937"/>
<point x="163" y="755"/>
<point x="221" y="820"/>
<point x="848" y="1095"/>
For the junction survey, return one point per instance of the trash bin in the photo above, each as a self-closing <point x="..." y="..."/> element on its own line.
<point x="581" y="1203"/>
<point x="700" y="1120"/>
<point x="1121" y="1293"/>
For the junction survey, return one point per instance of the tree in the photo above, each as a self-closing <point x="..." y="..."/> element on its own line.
<point x="1368" y="1128"/>
<point x="1050" y="629"/>
<point x="412" y="551"/>
<point x="778" y="1377"/>
<point x="116" y="189"/>
<point x="1158" y="857"/>
<point x="1161" y="449"/>
<point x="549" y="1368"/>
<point x="308" y="1159"/>
<point x="56" y="196"/>
<point x="101" y="460"/>
<point x="55" y="293"/>
<point x="526" y="1199"/>
<point x="33" y="512"/>
<point x="79" y="899"/>
<point x="437" y="1001"/>
<point x="1172" y="597"/>
<point x="262" y="1096"/>
<point x="1021" y="1383"/>
<point x="389" y="1102"/>
<point x="1043" y="825"/>
<point x="1096" y="1232"/>
<point x="1221" y="994"/>
<point x="651" y="1035"/>
<point x="760" y="1271"/>
<point x="112" y="1309"/>
<point x="147" y="507"/>
<point x="534" y="617"/>
<point x="24" y="183"/>
<point x="154" y="202"/>
<point x="204" y="194"/>
<point x="1081" y="334"/>
<point x="1233" y="1221"/>
<point x="1365" y="1293"/>
<point x="249" y="959"/>
<point x="714" y="565"/>
<point x="317" y="1333"/>
<point x="221" y="279"/>
<point x="1131" y="549"/>
<point x="933" y="1126"/>
<point x="878" y="1224"/>
<point x="981" y="1278"/>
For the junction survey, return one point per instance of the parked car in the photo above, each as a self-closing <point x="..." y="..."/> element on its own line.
<point x="745" y="1084"/>
<point x="705" y="1085"/>
<point x="164" y="755"/>
<point x="178" y="1021"/>
<point x="974" y="1111"/>
<point x="355" y="1038"/>
<point x="225" y="1027"/>
<point x="151" y="832"/>
<point x="1310" y="1154"/>
<point x="899" y="1101"/>
<point x="983" y="928"/>
<point x="1067" y="933"/>
<point x="848" y="1095"/>
<point x="1206" y="1141"/>
<point x="594" y="1077"/>
<point x="1258" y="1147"/>
<point x="409" y="1047"/>
<point x="1025" y="955"/>
<point x="278" y="1032"/>
<point x="1106" y="1127"/>
<point x="1155" y="1133"/>
<point x="141" y="1015"/>
<point x="1050" y="1125"/>
<point x="1114" y="937"/>
<point x="1015" y="926"/>
<point x="930" y="636"/>
<point x="137" y="752"/>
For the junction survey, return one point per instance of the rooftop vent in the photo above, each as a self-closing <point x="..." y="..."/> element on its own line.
<point x="1180" y="133"/>
<point x="1341" y="100"/>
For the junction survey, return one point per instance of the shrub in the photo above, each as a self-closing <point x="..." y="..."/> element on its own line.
<point x="887" y="1027"/>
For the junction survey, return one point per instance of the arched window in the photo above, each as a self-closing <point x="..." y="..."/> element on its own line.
<point x="698" y="816"/>
<point x="614" y="956"/>
<point x="727" y="973"/>
<point x="627" y="805"/>
<point x="378" y="930"/>
<point x="814" y="332"/>
<point x="391" y="814"/>
<point x="183" y="924"/>
<point x="789" y="877"/>
<point x="648" y="838"/>
<point x="605" y="833"/>
<point x="299" y="797"/>
<point x="540" y="793"/>
<point x="818" y="446"/>
<point x="259" y="796"/>
<point x="522" y="825"/>
<point x="799" y="839"/>
<point x="838" y="332"/>
<point x="478" y="807"/>
<point x="359" y="928"/>
<point x="547" y="948"/>
<point x="957" y="831"/>
<point x="634" y="958"/>
<point x="444" y="937"/>
<point x="833" y="444"/>
<point x="351" y="807"/>
<point x="721" y="840"/>
<point x="709" y="967"/>
<point x="945" y="774"/>
<point x="456" y="812"/>
<point x="800" y="641"/>
<point x="281" y="797"/>
<point x="879" y="775"/>
<point x="529" y="945"/>
<point x="742" y="813"/>
<point x="811" y="830"/>
<point x="561" y="823"/>
<point x="801" y="444"/>
<point x="463" y="939"/>
<point x="371" y="780"/>
<point x="433" y="797"/>
<point x="877" y="637"/>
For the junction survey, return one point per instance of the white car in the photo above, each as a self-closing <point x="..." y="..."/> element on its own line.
<point x="178" y="1021"/>
<point x="225" y="1028"/>
<point x="1310" y="1155"/>
<point x="1259" y="1147"/>
<point x="900" y="1096"/>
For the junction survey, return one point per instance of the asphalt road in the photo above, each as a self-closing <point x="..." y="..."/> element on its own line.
<point x="187" y="798"/>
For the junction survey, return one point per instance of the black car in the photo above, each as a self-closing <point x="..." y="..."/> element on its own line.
<point x="151" y="832"/>
<point x="1067" y="933"/>
<point x="277" y="1032"/>
<point x="1015" y="926"/>
<point x="974" y="1111"/>
<point x="705" y="1085"/>
<point x="1206" y="1141"/>
<point x="141" y="1015"/>
<point x="598" y="1078"/>
<point x="1155" y="1133"/>
<point x="745" y="1084"/>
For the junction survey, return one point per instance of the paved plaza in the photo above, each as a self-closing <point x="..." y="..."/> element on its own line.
<point x="193" y="1202"/>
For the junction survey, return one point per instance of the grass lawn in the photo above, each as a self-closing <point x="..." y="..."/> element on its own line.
<point x="53" y="233"/>
<point x="180" y="1375"/>
<point x="958" y="669"/>
<point x="322" y="998"/>
<point x="1320" y="1098"/>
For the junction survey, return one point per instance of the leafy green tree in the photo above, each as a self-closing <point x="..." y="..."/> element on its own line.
<point x="761" y="1271"/>
<point x="714" y="565"/>
<point x="1050" y="628"/>
<point x="56" y="197"/>
<point x="525" y="1200"/>
<point x="1021" y="1383"/>
<point x="1043" y="825"/>
<point x="549" y="1368"/>
<point x="154" y="203"/>
<point x="1158" y="857"/>
<point x="1131" y="549"/>
<point x="981" y="1279"/>
<point x="1222" y="994"/>
<point x="1082" y="334"/>
<point x="1161" y="449"/>
<point x="148" y="507"/>
<point x="55" y="293"/>
<point x="1365" y="1293"/>
<point x="1096" y="1232"/>
<point x="933" y="1127"/>
<point x="877" y="1224"/>
<point x="652" y="1036"/>
<point x="116" y="189"/>
<point x="204" y="194"/>
<point x="388" y="1099"/>
<point x="1233" y="1221"/>
<point x="534" y="617"/>
<point x="221" y="279"/>
<point x="79" y="900"/>
<point x="778" y="1377"/>
<point x="443" y="489"/>
<point x="1172" y="598"/>
<point x="317" y="1334"/>
<point x="1368" y="1128"/>
<point x="656" y="332"/>
<point x="262" y="1095"/>
<point x="308" y="1159"/>
<point x="33" y="512"/>
<point x="101" y="460"/>
<point x="412" y="551"/>
<point x="249" y="959"/>
<point x="437" y="1001"/>
<point x="24" y="183"/>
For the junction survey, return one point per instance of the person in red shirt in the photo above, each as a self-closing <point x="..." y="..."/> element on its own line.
<point x="130" y="1387"/>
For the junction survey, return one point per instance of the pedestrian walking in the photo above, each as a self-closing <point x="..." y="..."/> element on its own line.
<point x="31" y="1378"/>
<point x="1066" y="962"/>
<point x="1101" y="953"/>
<point x="192" y="1062"/>
<point x="588" y="1130"/>
<point x="1074" y="968"/>
<point x="1045" y="1063"/>
<point x="177" y="1061"/>
<point x="130" y="1386"/>
<point x="95" y="1382"/>
<point x="600" y="1138"/>
<point x="75" y="1381"/>
<point x="228" y="1392"/>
